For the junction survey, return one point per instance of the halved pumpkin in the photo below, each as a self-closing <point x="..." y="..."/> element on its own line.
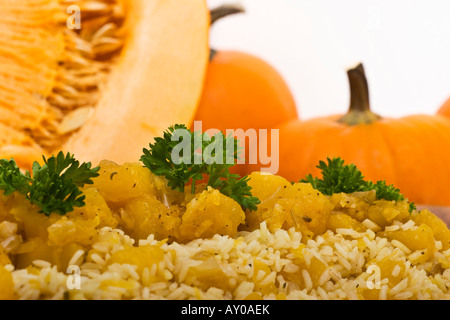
<point x="103" y="91"/>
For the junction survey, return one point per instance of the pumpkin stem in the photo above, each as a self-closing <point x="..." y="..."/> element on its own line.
<point x="222" y="12"/>
<point x="225" y="11"/>
<point x="359" y="112"/>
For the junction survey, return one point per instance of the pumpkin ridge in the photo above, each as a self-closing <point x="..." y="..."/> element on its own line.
<point x="438" y="128"/>
<point x="383" y="140"/>
<point x="402" y="129"/>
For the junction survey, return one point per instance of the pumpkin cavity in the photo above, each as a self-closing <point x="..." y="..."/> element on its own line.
<point x="52" y="76"/>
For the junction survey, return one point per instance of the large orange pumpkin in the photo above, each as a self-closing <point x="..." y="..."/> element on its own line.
<point x="243" y="91"/>
<point x="445" y="108"/>
<point x="410" y="152"/>
<point x="103" y="91"/>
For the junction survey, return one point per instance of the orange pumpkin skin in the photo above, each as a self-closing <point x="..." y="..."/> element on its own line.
<point x="242" y="91"/>
<point x="445" y="108"/>
<point x="408" y="152"/>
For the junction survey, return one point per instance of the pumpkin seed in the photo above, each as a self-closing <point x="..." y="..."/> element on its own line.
<point x="75" y="120"/>
<point x="106" y="45"/>
<point x="108" y="30"/>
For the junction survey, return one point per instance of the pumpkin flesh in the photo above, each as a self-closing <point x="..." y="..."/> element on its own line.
<point x="99" y="92"/>
<point x="149" y="90"/>
<point x="50" y="71"/>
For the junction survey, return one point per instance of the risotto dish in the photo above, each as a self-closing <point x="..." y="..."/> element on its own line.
<point x="136" y="238"/>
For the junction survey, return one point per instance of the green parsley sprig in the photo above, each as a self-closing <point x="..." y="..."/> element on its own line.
<point x="12" y="179"/>
<point x="54" y="187"/>
<point x="338" y="177"/>
<point x="196" y="166"/>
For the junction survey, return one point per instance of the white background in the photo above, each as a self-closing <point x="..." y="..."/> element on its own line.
<point x="403" y="44"/>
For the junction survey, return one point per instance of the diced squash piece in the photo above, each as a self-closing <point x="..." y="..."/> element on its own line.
<point x="143" y="257"/>
<point x="315" y="270"/>
<point x="36" y="249"/>
<point x="62" y="255"/>
<point x="384" y="212"/>
<point x="344" y="221"/>
<point x="440" y="229"/>
<point x="147" y="215"/>
<point x="265" y="185"/>
<point x="66" y="231"/>
<point x="206" y="274"/>
<point x="6" y="285"/>
<point x="309" y="273"/>
<point x="391" y="268"/>
<point x="210" y="213"/>
<point x="9" y="236"/>
<point x="297" y="206"/>
<point x="167" y="195"/>
<point x="121" y="183"/>
<point x="33" y="249"/>
<point x="30" y="221"/>
<point x="260" y="272"/>
<point x="4" y="258"/>
<point x="127" y="284"/>
<point x="274" y="217"/>
<point x="419" y="239"/>
<point x="268" y="188"/>
<point x="4" y="211"/>
<point x="370" y="293"/>
<point x="355" y="204"/>
<point x="95" y="208"/>
<point x="306" y="206"/>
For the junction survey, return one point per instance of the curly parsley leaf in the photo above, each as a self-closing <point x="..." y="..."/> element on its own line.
<point x="12" y="179"/>
<point x="205" y="157"/>
<point x="338" y="177"/>
<point x="54" y="187"/>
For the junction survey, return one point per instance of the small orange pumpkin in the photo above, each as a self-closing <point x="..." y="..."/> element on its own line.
<point x="242" y="91"/>
<point x="409" y="152"/>
<point x="445" y="108"/>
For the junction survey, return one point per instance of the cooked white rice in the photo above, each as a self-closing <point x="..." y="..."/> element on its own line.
<point x="347" y="254"/>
